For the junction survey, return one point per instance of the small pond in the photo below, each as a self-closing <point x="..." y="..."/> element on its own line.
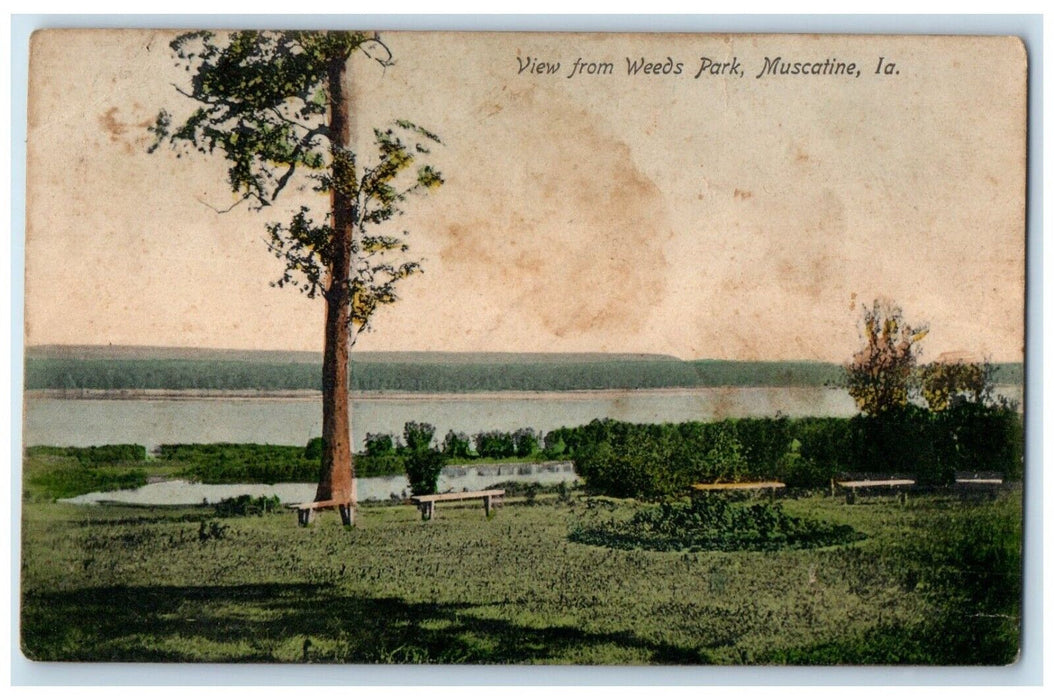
<point x="378" y="488"/>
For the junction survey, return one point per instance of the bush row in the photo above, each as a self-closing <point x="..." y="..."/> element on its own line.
<point x="492" y="444"/>
<point x="657" y="461"/>
<point x="650" y="461"/>
<point x="95" y="455"/>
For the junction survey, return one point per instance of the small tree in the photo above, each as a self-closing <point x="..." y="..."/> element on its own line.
<point x="881" y="374"/>
<point x="456" y="445"/>
<point x="418" y="436"/>
<point x="945" y="384"/>
<point x="424" y="464"/>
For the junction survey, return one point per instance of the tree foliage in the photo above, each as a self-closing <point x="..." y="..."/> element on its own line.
<point x="945" y="384"/>
<point x="880" y="375"/>
<point x="274" y="105"/>
<point x="423" y="462"/>
<point x="263" y="103"/>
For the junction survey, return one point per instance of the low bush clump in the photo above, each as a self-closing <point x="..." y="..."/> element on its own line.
<point x="244" y="505"/>
<point x="495" y="444"/>
<point x="231" y="463"/>
<point x="714" y="523"/>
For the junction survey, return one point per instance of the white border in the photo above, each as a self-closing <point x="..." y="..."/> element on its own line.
<point x="1028" y="671"/>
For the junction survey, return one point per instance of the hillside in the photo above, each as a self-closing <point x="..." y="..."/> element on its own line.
<point x="73" y="368"/>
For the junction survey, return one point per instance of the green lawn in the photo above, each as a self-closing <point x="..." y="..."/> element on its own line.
<point x="935" y="581"/>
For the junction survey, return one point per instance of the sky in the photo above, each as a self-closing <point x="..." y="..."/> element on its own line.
<point x="721" y="216"/>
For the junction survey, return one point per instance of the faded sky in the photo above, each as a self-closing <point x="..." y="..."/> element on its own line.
<point x="719" y="217"/>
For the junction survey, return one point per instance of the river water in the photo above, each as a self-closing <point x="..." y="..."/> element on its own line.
<point x="378" y="488"/>
<point x="294" y="421"/>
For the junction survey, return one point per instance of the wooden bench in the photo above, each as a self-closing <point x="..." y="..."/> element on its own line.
<point x="850" y="487"/>
<point x="771" y="486"/>
<point x="427" y="504"/>
<point x="305" y="512"/>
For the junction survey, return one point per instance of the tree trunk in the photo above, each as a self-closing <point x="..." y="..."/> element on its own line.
<point x="337" y="477"/>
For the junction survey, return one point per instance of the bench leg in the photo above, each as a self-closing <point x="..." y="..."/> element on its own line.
<point x="304" y="516"/>
<point x="487" y="505"/>
<point x="427" y="510"/>
<point x="347" y="514"/>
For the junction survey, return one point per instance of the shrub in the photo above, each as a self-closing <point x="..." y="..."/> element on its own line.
<point x="423" y="464"/>
<point x="380" y="444"/>
<point x="456" y="445"/>
<point x="945" y="384"/>
<point x="981" y="438"/>
<point x="723" y="459"/>
<point x="554" y="444"/>
<point x="658" y="461"/>
<point x="314" y="449"/>
<point x="525" y="442"/>
<point x="899" y="441"/>
<point x="714" y="523"/>
<point x="797" y="471"/>
<point x="649" y="462"/>
<point x="418" y="436"/>
<point x="764" y="440"/>
<point x="382" y="465"/>
<point x="824" y="449"/>
<point x="244" y="505"/>
<point x="422" y="471"/>
<point x="495" y="444"/>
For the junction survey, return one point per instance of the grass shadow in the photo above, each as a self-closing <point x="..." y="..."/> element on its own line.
<point x="265" y="623"/>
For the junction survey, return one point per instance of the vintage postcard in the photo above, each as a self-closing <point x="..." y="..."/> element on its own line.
<point x="524" y="348"/>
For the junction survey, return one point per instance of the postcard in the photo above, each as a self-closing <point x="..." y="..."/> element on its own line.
<point x="515" y="348"/>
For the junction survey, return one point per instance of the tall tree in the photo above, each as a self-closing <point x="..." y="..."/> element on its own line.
<point x="275" y="105"/>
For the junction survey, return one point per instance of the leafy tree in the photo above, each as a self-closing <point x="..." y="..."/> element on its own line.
<point x="418" y="436"/>
<point x="423" y="463"/>
<point x="945" y="384"/>
<point x="880" y="375"/>
<point x="274" y="105"/>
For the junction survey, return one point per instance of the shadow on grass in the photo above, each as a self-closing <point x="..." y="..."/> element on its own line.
<point x="263" y="623"/>
<point x="944" y="641"/>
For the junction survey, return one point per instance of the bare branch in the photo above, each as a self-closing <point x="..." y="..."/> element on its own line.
<point x="240" y="201"/>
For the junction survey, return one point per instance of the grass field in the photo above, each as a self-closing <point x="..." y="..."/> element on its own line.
<point x="934" y="581"/>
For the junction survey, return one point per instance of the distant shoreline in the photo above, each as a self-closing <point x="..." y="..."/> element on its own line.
<point x="311" y="395"/>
